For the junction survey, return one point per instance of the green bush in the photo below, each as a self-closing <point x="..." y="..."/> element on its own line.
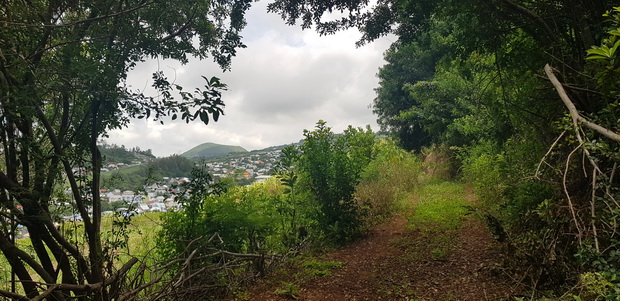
<point x="246" y="218"/>
<point x="483" y="167"/>
<point x="438" y="163"/>
<point x="331" y="166"/>
<point x="387" y="180"/>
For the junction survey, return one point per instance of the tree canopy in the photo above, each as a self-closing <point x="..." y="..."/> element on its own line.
<point x="63" y="71"/>
<point x="469" y="75"/>
<point x="466" y="74"/>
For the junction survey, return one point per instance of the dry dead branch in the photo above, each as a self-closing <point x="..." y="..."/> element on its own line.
<point x="579" y="120"/>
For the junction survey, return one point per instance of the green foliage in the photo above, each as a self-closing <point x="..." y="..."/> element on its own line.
<point x="119" y="154"/>
<point x="297" y="209"/>
<point x="606" y="56"/>
<point x="466" y="74"/>
<point x="256" y="218"/>
<point x="408" y="63"/>
<point x="63" y="87"/>
<point x="209" y="150"/>
<point x="387" y="181"/>
<point x="310" y="198"/>
<point x="331" y="166"/>
<point x="482" y="166"/>
<point x="440" y="207"/>
<point x="288" y="290"/>
<point x="599" y="286"/>
<point x="604" y="282"/>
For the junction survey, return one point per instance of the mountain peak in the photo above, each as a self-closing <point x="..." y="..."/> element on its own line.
<point x="211" y="150"/>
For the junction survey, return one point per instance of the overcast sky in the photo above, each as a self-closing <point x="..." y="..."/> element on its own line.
<point x="282" y="83"/>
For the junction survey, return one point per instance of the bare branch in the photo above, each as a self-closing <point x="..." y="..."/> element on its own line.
<point x="577" y="118"/>
<point x="516" y="8"/>
<point x="593" y="211"/>
<point x="178" y="32"/>
<point x="536" y="174"/>
<point x="13" y="296"/>
<point x="568" y="198"/>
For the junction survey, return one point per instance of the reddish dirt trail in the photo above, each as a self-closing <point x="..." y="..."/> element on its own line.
<point x="394" y="263"/>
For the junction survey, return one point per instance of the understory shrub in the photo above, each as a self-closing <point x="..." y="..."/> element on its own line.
<point x="438" y="162"/>
<point x="482" y="167"/>
<point x="387" y="180"/>
<point x="331" y="167"/>
<point x="324" y="192"/>
<point x="248" y="219"/>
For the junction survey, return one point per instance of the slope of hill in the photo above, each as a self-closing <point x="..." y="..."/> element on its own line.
<point x="135" y="177"/>
<point x="210" y="150"/>
<point x="113" y="153"/>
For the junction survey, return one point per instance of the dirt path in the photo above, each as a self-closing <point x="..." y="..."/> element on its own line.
<point x="394" y="263"/>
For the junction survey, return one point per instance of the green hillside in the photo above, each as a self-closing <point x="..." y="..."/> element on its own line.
<point x="210" y="150"/>
<point x="135" y="177"/>
<point x="113" y="153"/>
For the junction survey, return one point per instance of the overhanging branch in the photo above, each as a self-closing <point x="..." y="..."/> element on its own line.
<point x="577" y="118"/>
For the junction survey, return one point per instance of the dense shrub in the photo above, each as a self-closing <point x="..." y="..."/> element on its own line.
<point x="248" y="219"/>
<point x="482" y="166"/>
<point x="311" y="199"/>
<point x="389" y="178"/>
<point x="311" y="195"/>
<point x="439" y="162"/>
<point x="331" y="166"/>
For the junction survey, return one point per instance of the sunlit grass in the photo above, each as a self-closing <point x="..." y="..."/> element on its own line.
<point x="438" y="213"/>
<point x="141" y="234"/>
<point x="439" y="207"/>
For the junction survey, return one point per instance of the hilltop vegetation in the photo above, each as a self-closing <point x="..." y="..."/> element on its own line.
<point x="135" y="177"/>
<point x="523" y="97"/>
<point x="230" y="165"/>
<point x="313" y="200"/>
<point x="210" y="150"/>
<point x="113" y="153"/>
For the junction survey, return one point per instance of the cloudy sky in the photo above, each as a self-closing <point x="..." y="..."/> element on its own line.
<point x="282" y="83"/>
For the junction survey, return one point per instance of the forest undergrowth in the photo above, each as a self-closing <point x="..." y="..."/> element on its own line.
<point x="432" y="248"/>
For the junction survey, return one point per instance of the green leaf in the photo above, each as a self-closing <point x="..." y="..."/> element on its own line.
<point x="596" y="57"/>
<point x="613" y="49"/>
<point x="204" y="117"/>
<point x="603" y="51"/>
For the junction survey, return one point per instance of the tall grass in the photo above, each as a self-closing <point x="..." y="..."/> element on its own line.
<point x="134" y="239"/>
<point x="438" y="213"/>
<point x="440" y="206"/>
<point x="387" y="181"/>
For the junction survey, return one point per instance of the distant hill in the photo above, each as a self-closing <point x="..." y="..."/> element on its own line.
<point x="211" y="150"/>
<point x="112" y="153"/>
<point x="135" y="177"/>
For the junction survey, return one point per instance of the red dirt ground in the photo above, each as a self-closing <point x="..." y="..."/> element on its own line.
<point x="393" y="263"/>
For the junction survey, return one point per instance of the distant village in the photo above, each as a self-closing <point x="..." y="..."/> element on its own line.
<point x="244" y="169"/>
<point x="253" y="167"/>
<point x="160" y="197"/>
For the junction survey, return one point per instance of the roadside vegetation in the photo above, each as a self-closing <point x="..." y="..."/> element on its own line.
<point x="438" y="212"/>
<point x="522" y="97"/>
<point x="327" y="192"/>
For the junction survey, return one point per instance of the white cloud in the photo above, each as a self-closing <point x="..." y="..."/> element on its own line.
<point x="282" y="83"/>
